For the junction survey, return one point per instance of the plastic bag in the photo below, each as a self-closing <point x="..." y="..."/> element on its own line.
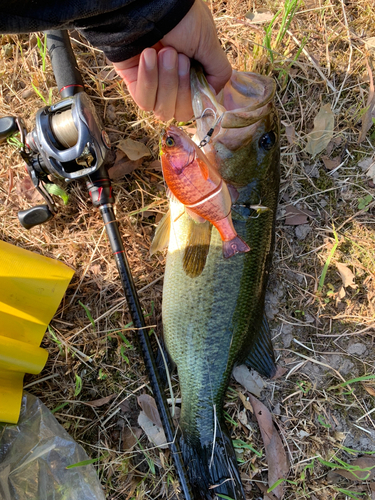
<point x="34" y="455"/>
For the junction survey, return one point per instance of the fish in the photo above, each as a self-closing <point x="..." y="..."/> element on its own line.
<point x="197" y="185"/>
<point x="213" y="308"/>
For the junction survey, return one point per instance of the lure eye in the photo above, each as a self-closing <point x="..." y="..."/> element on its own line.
<point x="267" y="141"/>
<point x="169" y="141"/>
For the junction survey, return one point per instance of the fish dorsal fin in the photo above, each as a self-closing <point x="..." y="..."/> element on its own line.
<point x="203" y="168"/>
<point x="197" y="248"/>
<point x="161" y="237"/>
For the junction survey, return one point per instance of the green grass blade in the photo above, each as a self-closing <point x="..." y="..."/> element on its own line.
<point x="83" y="463"/>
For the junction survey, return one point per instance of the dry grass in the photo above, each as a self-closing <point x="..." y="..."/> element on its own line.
<point x="321" y="339"/>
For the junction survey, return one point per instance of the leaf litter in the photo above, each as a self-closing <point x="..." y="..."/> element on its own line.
<point x="278" y="463"/>
<point x="315" y="62"/>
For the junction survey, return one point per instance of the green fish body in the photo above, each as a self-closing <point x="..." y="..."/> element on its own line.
<point x="213" y="308"/>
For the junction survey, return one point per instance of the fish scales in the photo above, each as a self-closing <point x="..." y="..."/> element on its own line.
<point x="215" y="319"/>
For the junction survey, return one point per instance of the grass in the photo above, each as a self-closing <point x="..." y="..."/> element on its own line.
<point x="91" y="355"/>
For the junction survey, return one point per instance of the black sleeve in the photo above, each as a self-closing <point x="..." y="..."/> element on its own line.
<point x="121" y="28"/>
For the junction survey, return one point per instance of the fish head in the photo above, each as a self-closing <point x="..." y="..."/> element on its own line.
<point x="245" y="140"/>
<point x="177" y="150"/>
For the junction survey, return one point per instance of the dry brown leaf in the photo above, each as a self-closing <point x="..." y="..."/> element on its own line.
<point x="26" y="190"/>
<point x="331" y="164"/>
<point x="125" y="406"/>
<point x="372" y="488"/>
<point x="278" y="463"/>
<point x="322" y="132"/>
<point x="123" y="166"/>
<point x="245" y="402"/>
<point x="148" y="405"/>
<point x="280" y="371"/>
<point x="155" y="434"/>
<point x="294" y="216"/>
<point x="130" y="436"/>
<point x="362" y="462"/>
<point x="369" y="389"/>
<point x="155" y="165"/>
<point x="346" y="275"/>
<point x="290" y="133"/>
<point x="369" y="114"/>
<point x="371" y="172"/>
<point x="260" y="16"/>
<point x="250" y="380"/>
<point x="100" y="402"/>
<point x="134" y="150"/>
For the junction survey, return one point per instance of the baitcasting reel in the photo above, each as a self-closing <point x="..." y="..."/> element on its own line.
<point x="68" y="142"/>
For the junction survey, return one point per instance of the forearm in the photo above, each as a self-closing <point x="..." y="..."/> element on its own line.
<point x="121" y="28"/>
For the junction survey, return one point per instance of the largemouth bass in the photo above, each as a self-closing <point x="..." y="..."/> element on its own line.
<point x="198" y="186"/>
<point x="213" y="308"/>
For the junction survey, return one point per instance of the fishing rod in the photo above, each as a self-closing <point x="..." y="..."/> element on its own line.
<point x="69" y="142"/>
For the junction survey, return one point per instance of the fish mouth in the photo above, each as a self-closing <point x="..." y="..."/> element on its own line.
<point x="245" y="100"/>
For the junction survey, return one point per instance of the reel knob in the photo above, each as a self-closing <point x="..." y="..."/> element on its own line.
<point x="34" y="216"/>
<point x="8" y="126"/>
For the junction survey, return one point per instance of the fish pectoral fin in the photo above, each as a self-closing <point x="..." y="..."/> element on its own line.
<point x="261" y="357"/>
<point x="162" y="233"/>
<point x="197" y="248"/>
<point x="204" y="169"/>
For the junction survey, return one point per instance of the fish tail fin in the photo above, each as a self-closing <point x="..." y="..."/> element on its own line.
<point x="262" y="357"/>
<point x="212" y="468"/>
<point x="235" y="245"/>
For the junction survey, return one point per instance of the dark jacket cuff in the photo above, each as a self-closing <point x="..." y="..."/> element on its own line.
<point x="120" y="45"/>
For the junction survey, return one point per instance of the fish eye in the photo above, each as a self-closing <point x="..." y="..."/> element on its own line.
<point x="267" y="140"/>
<point x="169" y="141"/>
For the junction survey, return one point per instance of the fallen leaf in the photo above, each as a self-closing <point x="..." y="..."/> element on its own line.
<point x="100" y="402"/>
<point x="155" y="165"/>
<point x="245" y="402"/>
<point x="130" y="436"/>
<point x="371" y="172"/>
<point x="155" y="434"/>
<point x="356" y="475"/>
<point x="148" y="405"/>
<point x="123" y="166"/>
<point x="280" y="371"/>
<point x="125" y="406"/>
<point x="278" y="463"/>
<point x="369" y="389"/>
<point x="294" y="216"/>
<point x="133" y="149"/>
<point x="346" y="275"/>
<point x="331" y="164"/>
<point x="369" y="114"/>
<point x="260" y="16"/>
<point x="290" y="133"/>
<point x="366" y="163"/>
<point x="250" y="380"/>
<point x="26" y="190"/>
<point x="322" y="132"/>
<point x="370" y="44"/>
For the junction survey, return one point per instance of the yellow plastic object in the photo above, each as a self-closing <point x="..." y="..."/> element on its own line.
<point x="31" y="288"/>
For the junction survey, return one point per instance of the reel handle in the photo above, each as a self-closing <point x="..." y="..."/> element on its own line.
<point x="34" y="216"/>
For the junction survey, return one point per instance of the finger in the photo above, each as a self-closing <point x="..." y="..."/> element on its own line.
<point x="147" y="80"/>
<point x="167" y="85"/>
<point x="140" y="73"/>
<point x="184" y="110"/>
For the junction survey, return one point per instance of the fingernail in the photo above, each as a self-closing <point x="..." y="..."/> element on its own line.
<point x="169" y="59"/>
<point x="183" y="65"/>
<point x="149" y="56"/>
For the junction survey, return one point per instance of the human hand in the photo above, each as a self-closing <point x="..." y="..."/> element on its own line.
<point x="159" y="78"/>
